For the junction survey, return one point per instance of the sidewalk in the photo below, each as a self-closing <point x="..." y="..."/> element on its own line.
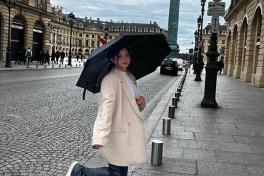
<point x="35" y="65"/>
<point x="227" y="141"/>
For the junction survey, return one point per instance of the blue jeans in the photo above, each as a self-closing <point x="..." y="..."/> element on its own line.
<point x="112" y="170"/>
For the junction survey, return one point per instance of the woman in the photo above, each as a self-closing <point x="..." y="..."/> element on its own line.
<point x="118" y="130"/>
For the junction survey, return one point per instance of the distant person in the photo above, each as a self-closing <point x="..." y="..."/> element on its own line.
<point x="57" y="56"/>
<point x="220" y="65"/>
<point x="47" y="57"/>
<point x="53" y="56"/>
<point x="62" y="54"/>
<point x="28" y="55"/>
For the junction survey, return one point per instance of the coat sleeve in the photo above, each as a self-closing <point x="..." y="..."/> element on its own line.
<point x="103" y="122"/>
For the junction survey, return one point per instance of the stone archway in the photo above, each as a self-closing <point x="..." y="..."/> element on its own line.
<point x="18" y="38"/>
<point x="256" y="36"/>
<point x="38" y="39"/>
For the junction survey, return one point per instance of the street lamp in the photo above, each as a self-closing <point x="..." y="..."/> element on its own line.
<point x="200" y="64"/>
<point x="195" y="51"/>
<point x="9" y="4"/>
<point x="54" y="30"/>
<point x="71" y="21"/>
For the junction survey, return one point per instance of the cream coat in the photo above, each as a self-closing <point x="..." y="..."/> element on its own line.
<point x="118" y="126"/>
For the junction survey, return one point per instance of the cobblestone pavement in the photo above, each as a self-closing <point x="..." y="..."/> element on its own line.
<point x="45" y="124"/>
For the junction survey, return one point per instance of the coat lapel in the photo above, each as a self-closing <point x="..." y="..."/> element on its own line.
<point x="128" y="93"/>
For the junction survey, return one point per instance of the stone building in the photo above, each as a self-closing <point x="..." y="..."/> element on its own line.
<point x="87" y="31"/>
<point x="221" y="40"/>
<point x="35" y="24"/>
<point x="245" y="42"/>
<point x="29" y="27"/>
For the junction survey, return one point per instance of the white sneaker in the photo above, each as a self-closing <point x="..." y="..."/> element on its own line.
<point x="71" y="168"/>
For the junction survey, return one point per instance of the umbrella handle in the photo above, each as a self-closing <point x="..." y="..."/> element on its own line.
<point x="84" y="91"/>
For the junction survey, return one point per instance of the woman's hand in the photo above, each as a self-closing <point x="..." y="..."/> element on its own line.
<point x="97" y="146"/>
<point x="141" y="102"/>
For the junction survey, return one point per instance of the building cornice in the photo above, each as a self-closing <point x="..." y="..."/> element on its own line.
<point x="234" y="9"/>
<point x="31" y="9"/>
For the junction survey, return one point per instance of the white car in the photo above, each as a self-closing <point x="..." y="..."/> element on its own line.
<point x="180" y="63"/>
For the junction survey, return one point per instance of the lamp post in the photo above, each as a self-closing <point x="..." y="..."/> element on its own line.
<point x="196" y="35"/>
<point x="54" y="30"/>
<point x="200" y="64"/>
<point x="71" y="21"/>
<point x="212" y="54"/>
<point x="9" y="4"/>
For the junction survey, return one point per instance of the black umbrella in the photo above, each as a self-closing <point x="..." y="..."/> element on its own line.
<point x="147" y="51"/>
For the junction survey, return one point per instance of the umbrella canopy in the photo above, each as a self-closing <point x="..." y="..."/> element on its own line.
<point x="147" y="51"/>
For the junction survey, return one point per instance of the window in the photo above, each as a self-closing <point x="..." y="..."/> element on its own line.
<point x="87" y="42"/>
<point x="39" y="4"/>
<point x="80" y="34"/>
<point x="80" y="42"/>
<point x="223" y="42"/>
<point x="93" y="36"/>
<point x="92" y="43"/>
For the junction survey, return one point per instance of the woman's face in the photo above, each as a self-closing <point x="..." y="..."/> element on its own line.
<point x="122" y="60"/>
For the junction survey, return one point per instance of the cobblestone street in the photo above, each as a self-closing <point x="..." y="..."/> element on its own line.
<point x="45" y="124"/>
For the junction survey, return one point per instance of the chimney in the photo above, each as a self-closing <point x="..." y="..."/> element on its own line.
<point x="98" y="19"/>
<point x="150" y="22"/>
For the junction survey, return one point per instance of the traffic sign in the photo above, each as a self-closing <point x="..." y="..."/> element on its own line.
<point x="215" y="24"/>
<point x="216" y="9"/>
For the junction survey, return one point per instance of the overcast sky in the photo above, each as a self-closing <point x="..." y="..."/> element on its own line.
<point x="142" y="11"/>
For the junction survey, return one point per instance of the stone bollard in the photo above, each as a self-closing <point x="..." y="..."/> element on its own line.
<point x="171" y="113"/>
<point x="174" y="102"/>
<point x="156" y="152"/>
<point x="166" y="126"/>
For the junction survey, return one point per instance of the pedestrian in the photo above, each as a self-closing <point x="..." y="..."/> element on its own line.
<point x="220" y="65"/>
<point x="47" y="57"/>
<point x="77" y="57"/>
<point x="28" y="55"/>
<point x="57" y="56"/>
<point x="53" y="56"/>
<point x="62" y="56"/>
<point x="81" y="57"/>
<point x="118" y="129"/>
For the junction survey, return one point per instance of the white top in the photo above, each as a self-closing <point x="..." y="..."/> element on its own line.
<point x="131" y="84"/>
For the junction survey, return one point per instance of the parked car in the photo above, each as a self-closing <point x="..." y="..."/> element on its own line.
<point x="169" y="66"/>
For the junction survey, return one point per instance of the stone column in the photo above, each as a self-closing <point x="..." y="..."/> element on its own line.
<point x="259" y="76"/>
<point x="238" y="59"/>
<point x="227" y="54"/>
<point x="4" y="34"/>
<point x="246" y="74"/>
<point x="232" y="55"/>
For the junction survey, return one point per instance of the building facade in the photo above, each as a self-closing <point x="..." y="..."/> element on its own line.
<point x="221" y="40"/>
<point x="245" y="41"/>
<point x="86" y="32"/>
<point x="29" y="27"/>
<point x="35" y="24"/>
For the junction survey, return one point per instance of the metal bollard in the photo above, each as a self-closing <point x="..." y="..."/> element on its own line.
<point x="76" y="65"/>
<point x="172" y="112"/>
<point x="59" y="65"/>
<point x="45" y="66"/>
<point x="156" y="152"/>
<point x="52" y="65"/>
<point x="65" y="65"/>
<point x="174" y="102"/>
<point x="27" y="65"/>
<point x="36" y="65"/>
<point x="166" y="128"/>
<point x="177" y="95"/>
<point x="179" y="90"/>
